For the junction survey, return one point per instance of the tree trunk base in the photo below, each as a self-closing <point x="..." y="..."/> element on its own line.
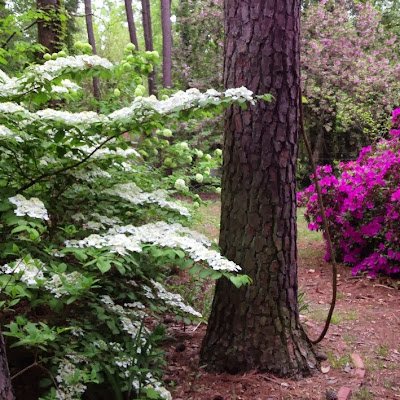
<point x="296" y="359"/>
<point x="246" y="342"/>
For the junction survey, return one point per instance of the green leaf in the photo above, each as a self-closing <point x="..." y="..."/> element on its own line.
<point x="20" y="228"/>
<point x="152" y="394"/>
<point x="240" y="280"/>
<point x="196" y="269"/>
<point x="205" y="273"/>
<point x="103" y="265"/>
<point x="5" y="205"/>
<point x="59" y="136"/>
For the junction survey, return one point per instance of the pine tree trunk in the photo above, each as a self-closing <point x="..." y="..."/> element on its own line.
<point x="49" y="32"/>
<point x="185" y="51"/>
<point x="167" y="42"/>
<point x="257" y="326"/>
<point x="131" y="23"/>
<point x="318" y="151"/>
<point x="92" y="42"/>
<point x="6" y="392"/>
<point x="148" y="41"/>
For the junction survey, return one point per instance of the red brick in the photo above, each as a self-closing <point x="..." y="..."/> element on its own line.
<point x="357" y="361"/>
<point x="344" y="393"/>
<point x="360" y="373"/>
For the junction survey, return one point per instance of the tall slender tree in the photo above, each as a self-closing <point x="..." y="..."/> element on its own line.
<point x="50" y="28"/>
<point x="6" y="392"/>
<point x="131" y="23"/>
<point x="167" y="42"/>
<point x="257" y="326"/>
<point x="92" y="42"/>
<point x="148" y="41"/>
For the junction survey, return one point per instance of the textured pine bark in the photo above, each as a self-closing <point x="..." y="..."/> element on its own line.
<point x="167" y="42"/>
<point x="6" y="392"/>
<point x="49" y="32"/>
<point x="131" y="23"/>
<point x="92" y="42"/>
<point x="148" y="41"/>
<point x="258" y="327"/>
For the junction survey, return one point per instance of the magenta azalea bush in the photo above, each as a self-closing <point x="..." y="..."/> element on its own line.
<point x="362" y="206"/>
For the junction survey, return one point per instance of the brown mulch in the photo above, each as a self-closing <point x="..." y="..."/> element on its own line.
<point x="366" y="323"/>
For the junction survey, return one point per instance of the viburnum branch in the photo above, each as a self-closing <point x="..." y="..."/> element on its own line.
<point x="326" y="228"/>
<point x="64" y="169"/>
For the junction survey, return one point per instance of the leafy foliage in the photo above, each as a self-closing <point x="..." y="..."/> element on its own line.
<point x="88" y="228"/>
<point x="351" y="77"/>
<point x="363" y="206"/>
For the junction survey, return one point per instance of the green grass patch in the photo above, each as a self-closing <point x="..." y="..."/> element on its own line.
<point x="319" y="314"/>
<point x="303" y="233"/>
<point x="207" y="219"/>
<point x="382" y="350"/>
<point x="363" y="394"/>
<point x="338" y="362"/>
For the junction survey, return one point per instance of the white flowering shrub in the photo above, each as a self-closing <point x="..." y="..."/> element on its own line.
<point x="90" y="226"/>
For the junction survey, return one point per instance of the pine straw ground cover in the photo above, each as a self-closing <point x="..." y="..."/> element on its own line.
<point x="366" y="322"/>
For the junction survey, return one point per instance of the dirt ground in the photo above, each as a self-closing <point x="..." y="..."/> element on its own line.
<point x="366" y="322"/>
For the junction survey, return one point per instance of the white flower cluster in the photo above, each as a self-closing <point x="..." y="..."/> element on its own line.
<point x="129" y="319"/>
<point x="124" y="362"/>
<point x="135" y="195"/>
<point x="240" y="93"/>
<point x="56" y="284"/>
<point x="119" y="243"/>
<point x="4" y="77"/>
<point x="91" y="174"/>
<point x="13" y="108"/>
<point x="141" y="108"/>
<point x="99" y="223"/>
<point x="77" y="332"/>
<point x="69" y="387"/>
<point x="83" y="118"/>
<point x="37" y="75"/>
<point x="130" y="238"/>
<point x="32" y="208"/>
<point x="148" y="292"/>
<point x="65" y="86"/>
<point x="103" y="152"/>
<point x="136" y="304"/>
<point x="130" y="326"/>
<point x="151" y="382"/>
<point x="31" y="270"/>
<point x="174" y="299"/>
<point x="121" y="311"/>
<point x="180" y="184"/>
<point x="6" y="133"/>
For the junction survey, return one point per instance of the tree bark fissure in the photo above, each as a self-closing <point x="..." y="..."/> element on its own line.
<point x="6" y="392"/>
<point x="258" y="327"/>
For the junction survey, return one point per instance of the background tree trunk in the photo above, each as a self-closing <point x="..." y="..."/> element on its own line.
<point x="148" y="41"/>
<point x="167" y="42"/>
<point x="6" y="392"/>
<point x="92" y="42"/>
<point x="49" y="32"/>
<point x="257" y="326"/>
<point x="131" y="23"/>
<point x="318" y="151"/>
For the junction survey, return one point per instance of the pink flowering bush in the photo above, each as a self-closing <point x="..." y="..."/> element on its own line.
<point x="350" y="75"/>
<point x="363" y="206"/>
